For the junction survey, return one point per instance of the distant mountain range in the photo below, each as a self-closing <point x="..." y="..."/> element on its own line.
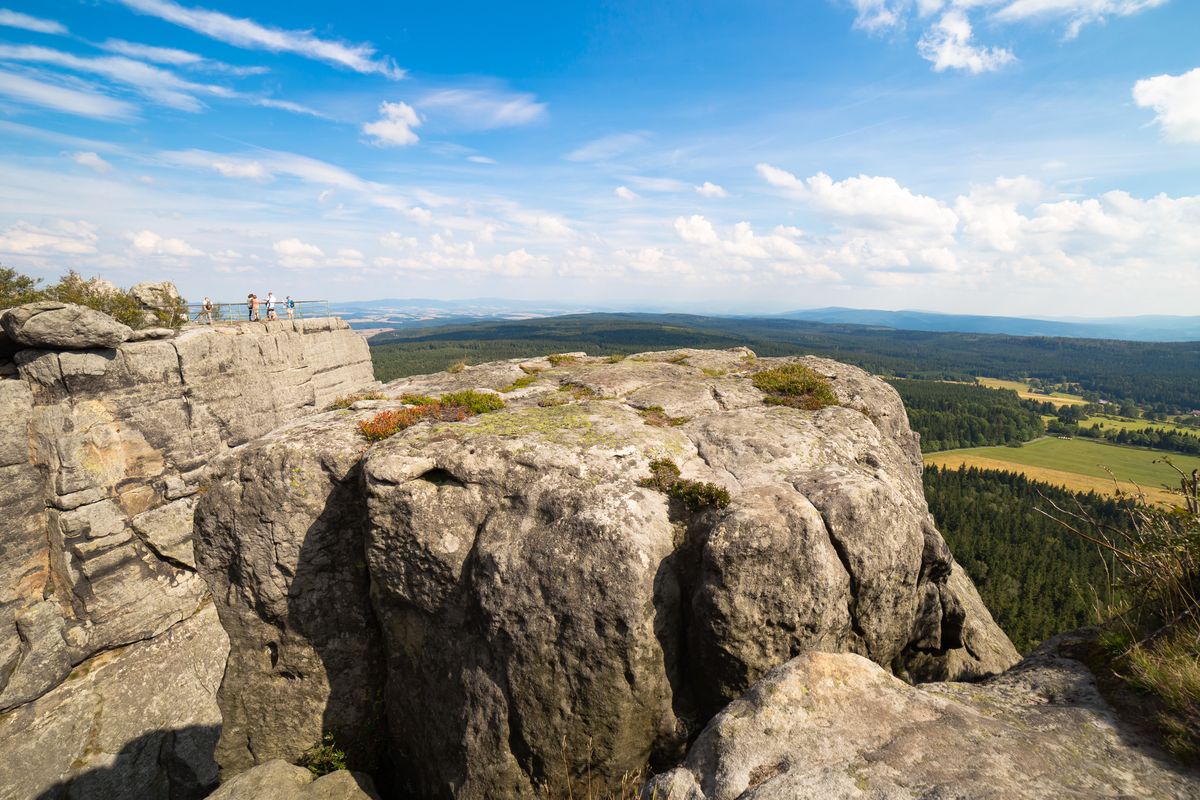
<point x="406" y="313"/>
<point x="1137" y="329"/>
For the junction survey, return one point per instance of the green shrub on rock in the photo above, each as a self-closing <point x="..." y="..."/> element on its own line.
<point x="794" y="385"/>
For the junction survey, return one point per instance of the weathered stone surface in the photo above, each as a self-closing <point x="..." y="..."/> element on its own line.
<point x="838" y="726"/>
<point x="158" y="299"/>
<point x="291" y="587"/>
<point x="136" y="722"/>
<point x="102" y="453"/>
<point x="58" y="326"/>
<point x="544" y="616"/>
<point x="150" y="333"/>
<point x="279" y="780"/>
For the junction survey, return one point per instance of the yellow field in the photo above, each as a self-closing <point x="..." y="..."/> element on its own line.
<point x="1022" y="390"/>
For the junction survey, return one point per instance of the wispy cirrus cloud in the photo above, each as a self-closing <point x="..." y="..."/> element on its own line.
<point x="91" y="103"/>
<point x="175" y="57"/>
<point x="607" y="147"/>
<point x="91" y="160"/>
<point x="15" y="19"/>
<point x="484" y="109"/>
<point x="249" y="34"/>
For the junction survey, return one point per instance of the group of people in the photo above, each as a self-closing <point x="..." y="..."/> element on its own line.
<point x="252" y="308"/>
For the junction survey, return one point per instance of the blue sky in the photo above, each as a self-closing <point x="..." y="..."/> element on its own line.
<point x="984" y="156"/>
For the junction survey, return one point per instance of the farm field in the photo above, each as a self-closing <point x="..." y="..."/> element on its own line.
<point x="1077" y="464"/>
<point x="1124" y="423"/>
<point x="1022" y="390"/>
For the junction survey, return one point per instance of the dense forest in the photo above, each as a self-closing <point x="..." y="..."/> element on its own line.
<point x="1036" y="577"/>
<point x="1157" y="376"/>
<point x="953" y="415"/>
<point x="1152" y="438"/>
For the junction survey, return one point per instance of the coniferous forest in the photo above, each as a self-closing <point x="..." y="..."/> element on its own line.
<point x="953" y="415"/>
<point x="1036" y="577"/>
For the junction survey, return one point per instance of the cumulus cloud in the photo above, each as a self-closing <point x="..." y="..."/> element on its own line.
<point x="394" y="128"/>
<point x="711" y="190"/>
<point x="92" y="103"/>
<point x="69" y="238"/>
<point x="249" y="34"/>
<point x="92" y="161"/>
<point x="780" y="177"/>
<point x="1176" y="103"/>
<point x="625" y="193"/>
<point x="295" y="253"/>
<point x="150" y="243"/>
<point x="484" y="109"/>
<point x="15" y="19"/>
<point x="948" y="46"/>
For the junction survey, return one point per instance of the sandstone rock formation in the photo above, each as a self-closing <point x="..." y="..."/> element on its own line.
<point x="159" y="300"/>
<point x="279" y="780"/>
<point x="62" y="326"/>
<point x="835" y="725"/>
<point x="541" y="616"/>
<point x="102" y="454"/>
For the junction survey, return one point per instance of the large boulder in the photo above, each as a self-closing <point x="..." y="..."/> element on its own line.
<point x="836" y="725"/>
<point x="279" y="780"/>
<point x="50" y="325"/>
<point x="544" y="618"/>
<point x="159" y="300"/>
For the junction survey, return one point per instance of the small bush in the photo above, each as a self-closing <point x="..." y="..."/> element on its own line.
<point x="475" y="402"/>
<point x="696" y="495"/>
<point x="551" y="400"/>
<point x="347" y="400"/>
<point x="794" y="385"/>
<point x="615" y="358"/>
<point x="520" y="383"/>
<point x="679" y="359"/>
<point x="714" y="373"/>
<point x="324" y="758"/>
<point x="417" y="399"/>
<point x="456" y="367"/>
<point x="654" y="415"/>
<point x="559" y="359"/>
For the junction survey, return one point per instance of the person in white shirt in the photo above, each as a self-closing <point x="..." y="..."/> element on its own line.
<point x="271" y="305"/>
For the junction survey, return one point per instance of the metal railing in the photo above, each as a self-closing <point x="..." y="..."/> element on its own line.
<point x="240" y="312"/>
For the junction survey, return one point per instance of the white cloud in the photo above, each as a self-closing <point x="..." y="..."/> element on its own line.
<point x="64" y="238"/>
<point x="657" y="184"/>
<point x="779" y="177"/>
<point x="948" y="46"/>
<point x="295" y="253"/>
<point x="175" y="57"/>
<point x="1077" y="12"/>
<point x="484" y="109"/>
<point x="625" y="193"/>
<point x="15" y="19"/>
<point x="607" y="147"/>
<point x="60" y="98"/>
<point x="878" y="15"/>
<point x="150" y="243"/>
<point x="92" y="161"/>
<point x="481" y="160"/>
<point x="711" y="190"/>
<point x="395" y="126"/>
<point x="1176" y="103"/>
<point x="250" y="34"/>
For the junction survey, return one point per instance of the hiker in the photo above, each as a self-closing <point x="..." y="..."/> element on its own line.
<point x="271" y="305"/>
<point x="206" y="310"/>
<point x="252" y="307"/>
<point x="290" y="305"/>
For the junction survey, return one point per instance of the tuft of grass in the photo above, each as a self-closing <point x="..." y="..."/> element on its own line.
<point x="559" y="359"/>
<point x="794" y="385"/>
<point x="453" y="407"/>
<point x="656" y="416"/>
<point x="520" y="383"/>
<point x="696" y="495"/>
<point x="324" y="758"/>
<point x="615" y="358"/>
<point x="577" y="391"/>
<point x="529" y="369"/>
<point x="552" y="400"/>
<point x="456" y="367"/>
<point x="475" y="402"/>
<point x="347" y="400"/>
<point x="680" y="359"/>
<point x="712" y="372"/>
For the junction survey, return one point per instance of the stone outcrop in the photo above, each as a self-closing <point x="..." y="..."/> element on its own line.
<point x="518" y="612"/>
<point x="159" y="301"/>
<point x="103" y="452"/>
<point x="62" y="326"/>
<point x="836" y="725"/>
<point x="279" y="780"/>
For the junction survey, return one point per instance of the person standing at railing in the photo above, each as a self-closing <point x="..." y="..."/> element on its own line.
<point x="206" y="310"/>
<point x="252" y="307"/>
<point x="271" y="301"/>
<point x="290" y="305"/>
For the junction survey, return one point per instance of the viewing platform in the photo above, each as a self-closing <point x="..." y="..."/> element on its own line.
<point x="229" y="313"/>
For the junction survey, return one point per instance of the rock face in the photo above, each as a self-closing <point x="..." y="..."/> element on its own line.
<point x="836" y="725"/>
<point x="102" y="454"/>
<point x="279" y="780"/>
<point x="158" y="300"/>
<point x="62" y="326"/>
<point x="541" y="616"/>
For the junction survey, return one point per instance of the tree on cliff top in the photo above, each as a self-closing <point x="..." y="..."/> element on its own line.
<point x="95" y="293"/>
